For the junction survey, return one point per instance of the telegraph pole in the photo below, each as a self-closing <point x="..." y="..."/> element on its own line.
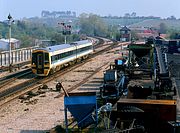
<point x="65" y="39"/>
<point x="10" y="20"/>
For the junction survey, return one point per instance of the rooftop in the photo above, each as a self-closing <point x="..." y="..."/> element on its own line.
<point x="125" y="29"/>
<point x="13" y="40"/>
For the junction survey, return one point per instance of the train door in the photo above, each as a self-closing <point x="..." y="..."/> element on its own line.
<point x="40" y="63"/>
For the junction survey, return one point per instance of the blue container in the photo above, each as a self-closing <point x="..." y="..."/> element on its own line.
<point x="82" y="108"/>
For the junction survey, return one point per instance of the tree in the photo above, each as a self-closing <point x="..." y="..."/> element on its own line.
<point x="58" y="38"/>
<point x="171" y="18"/>
<point x="133" y="15"/>
<point x="163" y="28"/>
<point x="134" y="35"/>
<point x="127" y="15"/>
<point x="91" y="24"/>
<point x="174" y="33"/>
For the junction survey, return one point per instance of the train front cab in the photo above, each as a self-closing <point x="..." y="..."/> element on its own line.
<point x="40" y="63"/>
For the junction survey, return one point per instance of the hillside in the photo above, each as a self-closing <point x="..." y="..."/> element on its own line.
<point x="122" y="21"/>
<point x="174" y="24"/>
<point x="132" y="22"/>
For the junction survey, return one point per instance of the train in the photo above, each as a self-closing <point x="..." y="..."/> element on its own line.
<point x="174" y="46"/>
<point x="48" y="60"/>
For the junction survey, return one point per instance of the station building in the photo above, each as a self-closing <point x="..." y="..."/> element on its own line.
<point x="4" y="44"/>
<point x="125" y="34"/>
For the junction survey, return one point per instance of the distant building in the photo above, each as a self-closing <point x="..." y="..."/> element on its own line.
<point x="58" y="14"/>
<point x="4" y="44"/>
<point x="144" y="32"/>
<point x="45" y="43"/>
<point x="125" y="34"/>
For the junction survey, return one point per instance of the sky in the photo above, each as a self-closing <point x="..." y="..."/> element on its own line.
<point x="31" y="8"/>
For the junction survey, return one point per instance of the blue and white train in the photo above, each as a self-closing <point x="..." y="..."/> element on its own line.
<point x="48" y="60"/>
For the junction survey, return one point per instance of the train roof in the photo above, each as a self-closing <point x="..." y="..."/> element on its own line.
<point x="64" y="46"/>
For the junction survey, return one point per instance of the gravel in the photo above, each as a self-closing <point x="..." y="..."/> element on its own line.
<point x="43" y="112"/>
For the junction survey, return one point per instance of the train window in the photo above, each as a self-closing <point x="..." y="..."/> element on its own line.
<point x="84" y="49"/>
<point x="60" y="56"/>
<point x="69" y="53"/>
<point x="63" y="55"/>
<point x="33" y="58"/>
<point x="52" y="59"/>
<point x="66" y="54"/>
<point x="39" y="59"/>
<point x="56" y="57"/>
<point x="74" y="51"/>
<point x="46" y="59"/>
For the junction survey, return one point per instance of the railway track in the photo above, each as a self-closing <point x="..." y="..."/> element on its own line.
<point x="84" y="80"/>
<point x="11" y="78"/>
<point x="34" y="83"/>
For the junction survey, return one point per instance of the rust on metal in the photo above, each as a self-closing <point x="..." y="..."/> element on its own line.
<point x="163" y="109"/>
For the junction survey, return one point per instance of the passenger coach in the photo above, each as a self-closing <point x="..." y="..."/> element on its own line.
<point x="48" y="60"/>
